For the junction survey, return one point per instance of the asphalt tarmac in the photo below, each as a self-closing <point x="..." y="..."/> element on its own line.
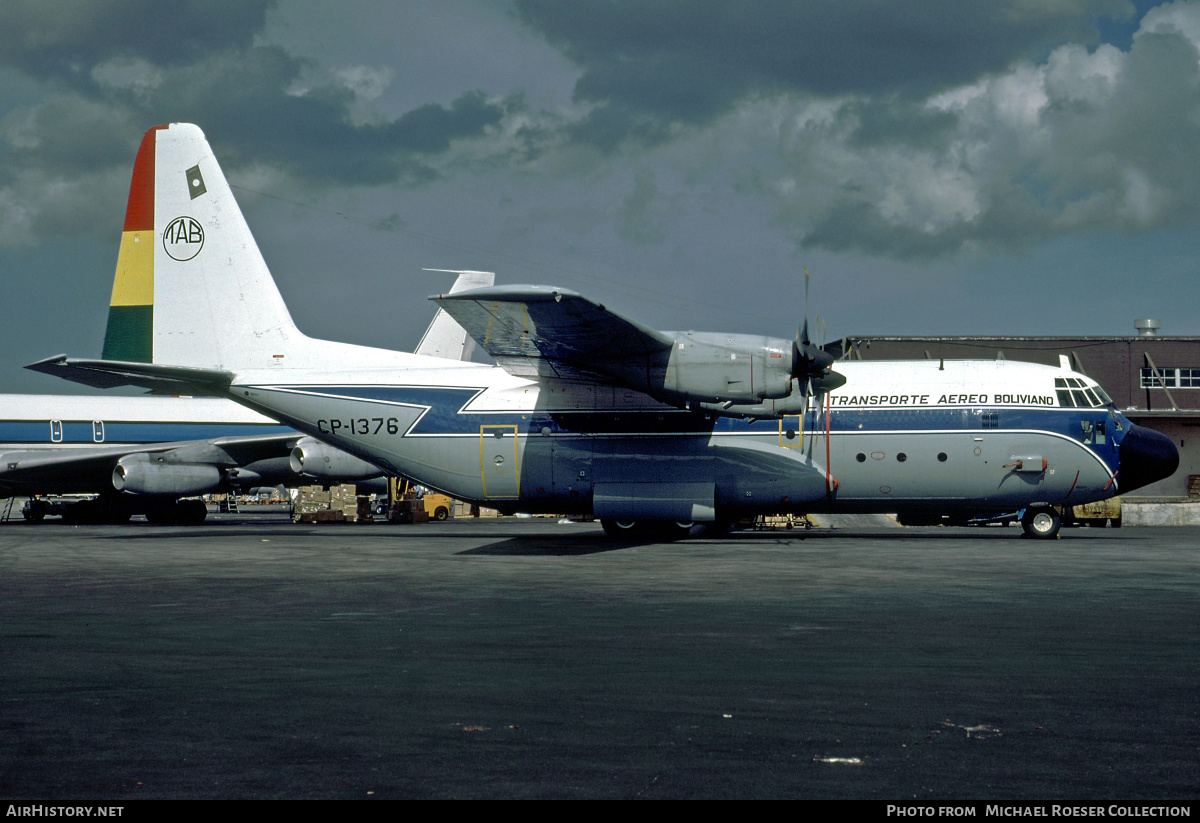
<point x="254" y="658"/>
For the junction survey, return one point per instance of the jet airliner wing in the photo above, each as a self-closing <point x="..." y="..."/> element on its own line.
<point x="90" y="468"/>
<point x="541" y="330"/>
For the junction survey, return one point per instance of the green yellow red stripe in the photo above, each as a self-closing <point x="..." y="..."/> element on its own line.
<point x="130" y="332"/>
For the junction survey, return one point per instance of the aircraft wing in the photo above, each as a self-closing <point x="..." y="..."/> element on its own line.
<point x="540" y="330"/>
<point x="107" y="374"/>
<point x="89" y="468"/>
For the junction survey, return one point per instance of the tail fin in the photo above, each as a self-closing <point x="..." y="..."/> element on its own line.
<point x="191" y="287"/>
<point x="445" y="337"/>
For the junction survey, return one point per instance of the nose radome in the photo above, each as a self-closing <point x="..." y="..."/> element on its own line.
<point x="1146" y="457"/>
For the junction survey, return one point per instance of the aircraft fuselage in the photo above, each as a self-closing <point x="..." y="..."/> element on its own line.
<point x="962" y="436"/>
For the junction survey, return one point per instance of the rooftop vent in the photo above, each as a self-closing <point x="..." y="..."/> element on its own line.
<point x="1147" y="327"/>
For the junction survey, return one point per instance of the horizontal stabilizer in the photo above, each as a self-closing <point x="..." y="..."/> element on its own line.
<point x="108" y="374"/>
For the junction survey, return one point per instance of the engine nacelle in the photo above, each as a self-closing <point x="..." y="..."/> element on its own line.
<point x="793" y="404"/>
<point x="315" y="459"/>
<point x="723" y="367"/>
<point x="144" y="474"/>
<point x="710" y="368"/>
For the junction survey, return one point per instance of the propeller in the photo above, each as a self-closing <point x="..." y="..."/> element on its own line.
<point x="811" y="364"/>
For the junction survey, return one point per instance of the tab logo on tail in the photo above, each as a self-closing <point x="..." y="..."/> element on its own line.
<point x="183" y="238"/>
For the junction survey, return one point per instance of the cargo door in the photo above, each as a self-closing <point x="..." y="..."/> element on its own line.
<point x="498" y="461"/>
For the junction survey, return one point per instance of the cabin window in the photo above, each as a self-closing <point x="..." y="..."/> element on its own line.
<point x="861" y="458"/>
<point x="990" y="420"/>
<point x="941" y="457"/>
<point x="1087" y="431"/>
<point x="98" y="431"/>
<point x="1101" y="439"/>
<point x="55" y="431"/>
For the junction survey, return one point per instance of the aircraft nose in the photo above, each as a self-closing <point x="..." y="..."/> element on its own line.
<point x="1145" y="457"/>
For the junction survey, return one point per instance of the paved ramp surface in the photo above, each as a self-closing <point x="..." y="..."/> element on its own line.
<point x="855" y="521"/>
<point x="253" y="658"/>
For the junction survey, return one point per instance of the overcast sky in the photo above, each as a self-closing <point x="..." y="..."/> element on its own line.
<point x="941" y="167"/>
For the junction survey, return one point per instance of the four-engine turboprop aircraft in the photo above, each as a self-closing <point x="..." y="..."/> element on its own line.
<point x="589" y="411"/>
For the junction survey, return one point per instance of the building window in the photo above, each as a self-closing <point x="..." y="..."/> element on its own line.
<point x="1170" y="378"/>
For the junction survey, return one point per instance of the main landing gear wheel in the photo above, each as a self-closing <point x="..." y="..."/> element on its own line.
<point x="663" y="529"/>
<point x="622" y="529"/>
<point x="648" y="529"/>
<point x="1042" y="522"/>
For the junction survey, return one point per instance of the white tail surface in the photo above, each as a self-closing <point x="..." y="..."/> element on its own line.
<point x="191" y="286"/>
<point x="445" y="337"/>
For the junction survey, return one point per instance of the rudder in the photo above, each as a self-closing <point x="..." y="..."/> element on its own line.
<point x="191" y="287"/>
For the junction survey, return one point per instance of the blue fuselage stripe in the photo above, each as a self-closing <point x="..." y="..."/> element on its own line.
<point x="445" y="416"/>
<point x="38" y="432"/>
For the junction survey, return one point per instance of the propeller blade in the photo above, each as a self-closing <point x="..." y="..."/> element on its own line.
<point x="811" y="363"/>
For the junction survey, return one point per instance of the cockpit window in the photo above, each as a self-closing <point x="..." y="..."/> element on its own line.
<point x="1064" y="396"/>
<point x="1075" y="393"/>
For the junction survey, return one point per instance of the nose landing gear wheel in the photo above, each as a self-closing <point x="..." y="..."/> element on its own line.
<point x="1042" y="522"/>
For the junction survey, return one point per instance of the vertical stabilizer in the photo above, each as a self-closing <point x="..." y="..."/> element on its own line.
<point x="191" y="287"/>
<point x="445" y="337"/>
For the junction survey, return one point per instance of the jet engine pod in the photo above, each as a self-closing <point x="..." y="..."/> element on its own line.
<point x="313" y="458"/>
<point x="144" y="474"/>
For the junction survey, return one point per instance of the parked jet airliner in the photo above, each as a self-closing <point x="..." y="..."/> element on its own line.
<point x="154" y="455"/>
<point x="589" y="411"/>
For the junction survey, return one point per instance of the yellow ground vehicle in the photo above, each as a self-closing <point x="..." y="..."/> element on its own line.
<point x="407" y="503"/>
<point x="438" y="506"/>
<point x="1100" y="513"/>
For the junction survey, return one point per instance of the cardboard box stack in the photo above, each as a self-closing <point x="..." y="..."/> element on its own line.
<point x="338" y="504"/>
<point x="408" y="510"/>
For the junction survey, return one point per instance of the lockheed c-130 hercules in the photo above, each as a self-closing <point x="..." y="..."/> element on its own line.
<point x="589" y="411"/>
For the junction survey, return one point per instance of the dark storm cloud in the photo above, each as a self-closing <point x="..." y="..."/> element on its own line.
<point x="115" y="68"/>
<point x="67" y="38"/>
<point x="650" y="68"/>
<point x="430" y="128"/>
<point x="242" y="101"/>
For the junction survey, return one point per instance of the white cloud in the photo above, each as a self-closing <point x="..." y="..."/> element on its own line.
<point x="125" y="74"/>
<point x="1086" y="140"/>
<point x="1178" y="18"/>
<point x="367" y="82"/>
